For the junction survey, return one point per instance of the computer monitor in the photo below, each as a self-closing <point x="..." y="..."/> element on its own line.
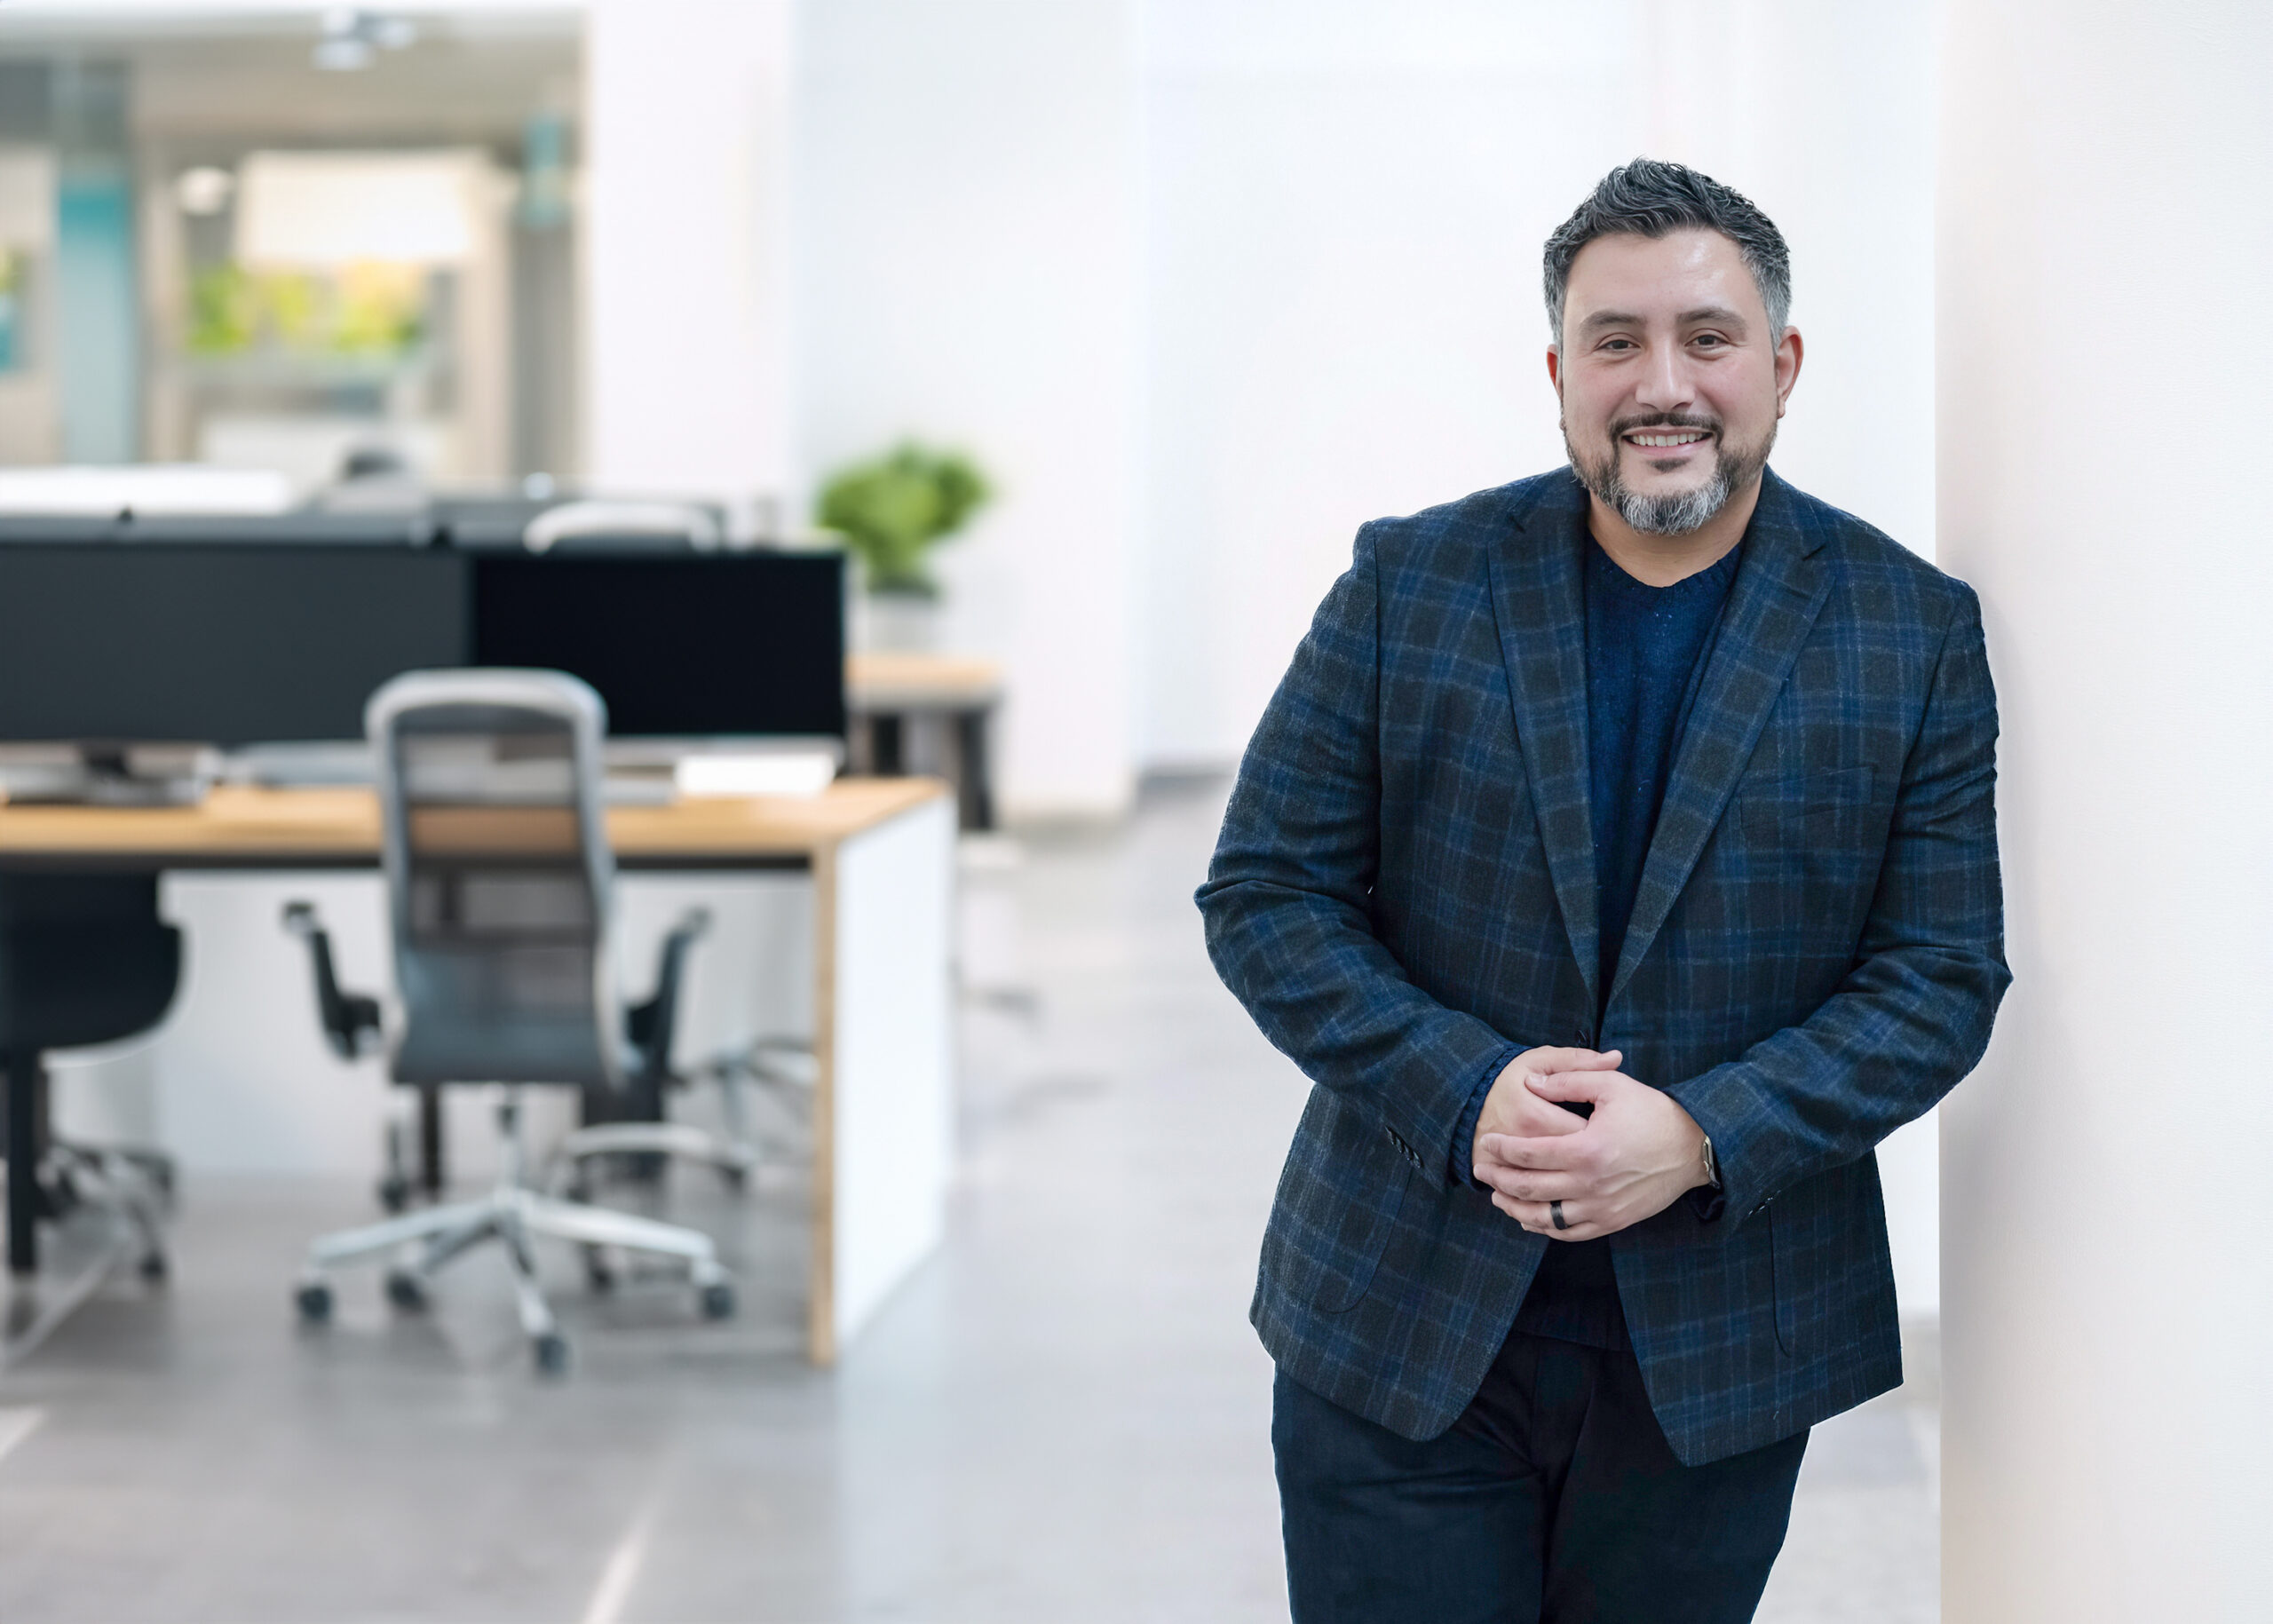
<point x="680" y="644"/>
<point x="206" y="642"/>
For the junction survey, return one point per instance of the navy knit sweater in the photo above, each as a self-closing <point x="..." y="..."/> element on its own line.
<point x="1646" y="647"/>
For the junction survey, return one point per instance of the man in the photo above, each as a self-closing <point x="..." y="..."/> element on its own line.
<point x="1619" y="859"/>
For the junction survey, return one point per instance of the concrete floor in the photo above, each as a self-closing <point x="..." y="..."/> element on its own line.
<point x="1063" y="1417"/>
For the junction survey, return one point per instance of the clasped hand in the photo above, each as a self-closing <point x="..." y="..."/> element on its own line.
<point x="1629" y="1160"/>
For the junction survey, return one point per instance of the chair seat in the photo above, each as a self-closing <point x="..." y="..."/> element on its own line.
<point x="69" y="987"/>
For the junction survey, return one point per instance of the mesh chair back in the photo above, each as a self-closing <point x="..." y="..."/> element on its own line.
<point x="499" y="876"/>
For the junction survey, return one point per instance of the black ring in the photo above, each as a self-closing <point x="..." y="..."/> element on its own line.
<point x="1554" y="1212"/>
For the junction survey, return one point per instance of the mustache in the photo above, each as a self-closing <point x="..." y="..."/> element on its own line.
<point x="1646" y="421"/>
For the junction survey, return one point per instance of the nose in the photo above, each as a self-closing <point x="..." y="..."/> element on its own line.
<point x="1666" y="385"/>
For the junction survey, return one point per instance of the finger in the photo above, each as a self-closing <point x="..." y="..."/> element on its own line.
<point x="1523" y="1185"/>
<point x="1587" y="1085"/>
<point x="1537" y="1217"/>
<point x="1553" y="1154"/>
<point x="1552" y="1059"/>
<point x="1528" y="1116"/>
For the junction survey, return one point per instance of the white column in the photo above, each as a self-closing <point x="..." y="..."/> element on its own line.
<point x="686" y="325"/>
<point x="2108" y="1210"/>
<point x="967" y="231"/>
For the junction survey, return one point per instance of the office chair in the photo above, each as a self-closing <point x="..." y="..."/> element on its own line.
<point x="628" y="1125"/>
<point x="352" y="1028"/>
<point x="631" y="1130"/>
<point x="84" y="959"/>
<point x="500" y="897"/>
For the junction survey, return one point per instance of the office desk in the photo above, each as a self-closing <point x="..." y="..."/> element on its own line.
<point x="890" y="695"/>
<point x="880" y="852"/>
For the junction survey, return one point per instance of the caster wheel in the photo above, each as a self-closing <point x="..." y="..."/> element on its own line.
<point x="597" y="1274"/>
<point x="550" y="1353"/>
<point x="736" y="1179"/>
<point x="314" y="1300"/>
<point x="155" y="1268"/>
<point x="406" y="1290"/>
<point x="394" y="1194"/>
<point x="718" y="1301"/>
<point x="579" y="1191"/>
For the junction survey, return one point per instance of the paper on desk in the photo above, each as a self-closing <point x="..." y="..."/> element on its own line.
<point x="794" y="772"/>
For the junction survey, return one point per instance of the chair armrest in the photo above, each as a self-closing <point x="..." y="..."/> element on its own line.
<point x="351" y="1020"/>
<point x="652" y="1025"/>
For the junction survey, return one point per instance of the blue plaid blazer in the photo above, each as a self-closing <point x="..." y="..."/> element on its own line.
<point x="1405" y="887"/>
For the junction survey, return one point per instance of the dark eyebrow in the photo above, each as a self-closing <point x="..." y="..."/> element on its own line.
<point x="1720" y="314"/>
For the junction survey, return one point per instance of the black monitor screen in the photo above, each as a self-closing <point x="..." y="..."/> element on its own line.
<point x="680" y="646"/>
<point x="213" y="643"/>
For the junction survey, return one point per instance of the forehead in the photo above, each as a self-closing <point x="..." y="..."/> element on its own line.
<point x="1682" y="270"/>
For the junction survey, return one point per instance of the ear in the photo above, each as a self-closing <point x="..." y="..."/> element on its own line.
<point x="1790" y="351"/>
<point x="1554" y="369"/>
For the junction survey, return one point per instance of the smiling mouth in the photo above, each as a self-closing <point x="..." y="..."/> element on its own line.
<point x="1666" y="440"/>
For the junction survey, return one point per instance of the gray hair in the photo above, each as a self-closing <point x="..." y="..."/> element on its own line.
<point x="1653" y="198"/>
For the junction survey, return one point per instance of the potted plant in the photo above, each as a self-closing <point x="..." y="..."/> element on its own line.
<point x="892" y="511"/>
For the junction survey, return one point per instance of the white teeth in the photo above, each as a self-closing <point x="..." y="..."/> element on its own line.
<point x="1666" y="440"/>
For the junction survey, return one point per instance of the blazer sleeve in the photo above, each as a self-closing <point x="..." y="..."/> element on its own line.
<point x="1287" y="899"/>
<point x="1913" y="1017"/>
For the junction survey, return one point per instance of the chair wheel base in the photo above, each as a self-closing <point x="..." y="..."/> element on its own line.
<point x="550" y="1351"/>
<point x="314" y="1302"/>
<point x="406" y="1290"/>
<point x="394" y="1194"/>
<point x="718" y="1301"/>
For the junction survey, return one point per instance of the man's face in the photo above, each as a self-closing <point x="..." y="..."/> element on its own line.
<point x="1670" y="380"/>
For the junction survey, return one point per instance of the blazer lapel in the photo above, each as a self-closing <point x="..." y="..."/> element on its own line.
<point x="1538" y="600"/>
<point x="1779" y="591"/>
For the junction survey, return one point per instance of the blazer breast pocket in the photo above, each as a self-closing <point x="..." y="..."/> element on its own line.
<point x="1833" y="807"/>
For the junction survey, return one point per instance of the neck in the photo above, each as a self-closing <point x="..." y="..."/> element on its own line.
<point x="1660" y="561"/>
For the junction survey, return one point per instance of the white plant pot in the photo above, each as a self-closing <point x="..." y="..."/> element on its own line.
<point x="897" y="623"/>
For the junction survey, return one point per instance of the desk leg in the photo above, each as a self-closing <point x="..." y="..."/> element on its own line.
<point x="887" y="744"/>
<point x="22" y="1082"/>
<point x="973" y="787"/>
<point x="883" y="1107"/>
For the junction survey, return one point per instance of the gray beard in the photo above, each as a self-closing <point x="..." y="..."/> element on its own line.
<point x="1734" y="469"/>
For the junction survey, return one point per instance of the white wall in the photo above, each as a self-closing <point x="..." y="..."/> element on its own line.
<point x="2106" y="229"/>
<point x="1345" y="205"/>
<point x="966" y="257"/>
<point x="686" y="314"/>
<point x="1823" y="116"/>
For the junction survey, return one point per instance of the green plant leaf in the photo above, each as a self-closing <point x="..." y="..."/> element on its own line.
<point x="893" y="509"/>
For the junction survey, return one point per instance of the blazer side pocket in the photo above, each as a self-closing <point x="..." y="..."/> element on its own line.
<point x="1339" y="1202"/>
<point x="1783" y="1285"/>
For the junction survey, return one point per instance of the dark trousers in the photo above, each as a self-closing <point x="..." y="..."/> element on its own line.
<point x="1553" y="1499"/>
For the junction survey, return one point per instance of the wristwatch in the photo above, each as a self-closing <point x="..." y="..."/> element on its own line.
<point x="1712" y="1168"/>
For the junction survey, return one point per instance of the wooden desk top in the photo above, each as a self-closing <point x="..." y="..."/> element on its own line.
<point x="245" y="828"/>
<point x="921" y="682"/>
